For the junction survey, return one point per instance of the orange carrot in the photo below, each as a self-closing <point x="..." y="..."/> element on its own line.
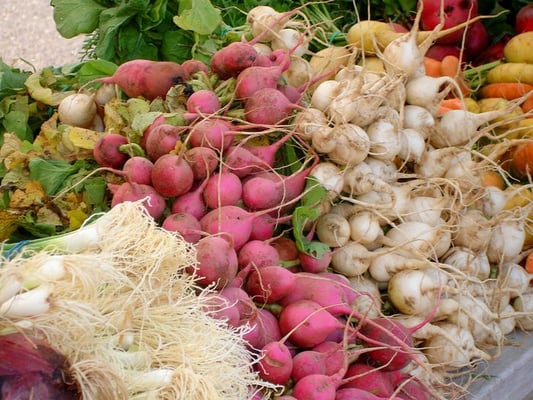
<point x="452" y="103"/>
<point x="450" y="66"/>
<point x="528" y="104"/>
<point x="506" y="90"/>
<point x="432" y="67"/>
<point x="529" y="263"/>
<point x="522" y="160"/>
<point x="492" y="178"/>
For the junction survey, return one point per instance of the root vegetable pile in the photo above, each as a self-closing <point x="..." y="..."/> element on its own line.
<point x="343" y="215"/>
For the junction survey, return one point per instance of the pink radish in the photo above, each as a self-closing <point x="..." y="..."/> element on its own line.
<point x="240" y="300"/>
<point x="268" y="106"/>
<point x="306" y="323"/>
<point x="107" y="151"/>
<point x="202" y="102"/>
<point x="327" y="292"/>
<point x="309" y="362"/>
<point x="154" y="204"/>
<point x="187" y="225"/>
<point x="233" y="221"/>
<point x="203" y="161"/>
<point x="265" y="329"/>
<point x="230" y="60"/>
<point x="222" y="189"/>
<point x="244" y="159"/>
<point x="269" y="283"/>
<point x="147" y="78"/>
<point x="139" y="170"/>
<point x="359" y="394"/>
<point x="192" y="66"/>
<point x="162" y="140"/>
<point x="264" y="226"/>
<point x="313" y="264"/>
<point x="276" y="363"/>
<point x="172" y="175"/>
<point x="191" y="202"/>
<point x="394" y="336"/>
<point x="217" y="262"/>
<point x="365" y="377"/>
<point x="214" y="132"/>
<point x="258" y="253"/>
<point x="220" y="308"/>
<point x="268" y="189"/>
<point x="161" y="119"/>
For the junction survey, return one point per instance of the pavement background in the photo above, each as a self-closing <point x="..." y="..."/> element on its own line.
<point x="28" y="32"/>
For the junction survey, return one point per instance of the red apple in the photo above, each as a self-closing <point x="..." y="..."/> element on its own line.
<point x="455" y="13"/>
<point x="476" y="40"/>
<point x="524" y="19"/>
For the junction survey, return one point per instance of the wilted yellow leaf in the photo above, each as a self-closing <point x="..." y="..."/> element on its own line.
<point x="76" y="218"/>
<point x="8" y="223"/>
<point x="82" y="137"/>
<point x="32" y="193"/>
<point x="43" y="94"/>
<point x="48" y="217"/>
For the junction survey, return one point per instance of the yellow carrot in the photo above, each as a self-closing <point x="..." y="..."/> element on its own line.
<point x="511" y="72"/>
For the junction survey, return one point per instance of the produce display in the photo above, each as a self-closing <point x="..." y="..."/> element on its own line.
<point x="268" y="201"/>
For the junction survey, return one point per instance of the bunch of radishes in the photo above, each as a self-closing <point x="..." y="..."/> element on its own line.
<point x="407" y="219"/>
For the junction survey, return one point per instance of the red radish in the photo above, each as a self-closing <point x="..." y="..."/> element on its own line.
<point x="287" y="249"/>
<point x="214" y="132"/>
<point x="233" y="221"/>
<point x="222" y="189"/>
<point x="221" y="308"/>
<point x="202" y="101"/>
<point x="394" y="336"/>
<point x="269" y="284"/>
<point x="276" y="363"/>
<point x="230" y="60"/>
<point x="259" y="254"/>
<point x="191" y="202"/>
<point x="240" y="300"/>
<point x="327" y="292"/>
<point x="310" y="362"/>
<point x="306" y="323"/>
<point x="172" y="175"/>
<point x="268" y="189"/>
<point x="359" y="394"/>
<point x="243" y="159"/>
<point x="137" y="169"/>
<point x="412" y="388"/>
<point x="161" y="119"/>
<point x="217" y="262"/>
<point x="313" y="264"/>
<point x="154" y="204"/>
<point x="316" y="387"/>
<point x="265" y="329"/>
<point x="162" y="140"/>
<point x="187" y="225"/>
<point x="455" y="13"/>
<point x="203" y="161"/>
<point x="264" y="226"/>
<point x="147" y="78"/>
<point x="107" y="151"/>
<point x="268" y="107"/>
<point x="365" y="377"/>
<point x="193" y="66"/>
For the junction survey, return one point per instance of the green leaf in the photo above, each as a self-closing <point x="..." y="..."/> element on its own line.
<point x="176" y="46"/>
<point x="112" y="21"/>
<point x="95" y="69"/>
<point x="309" y="209"/>
<point x="73" y="17"/>
<point x="52" y="174"/>
<point x="198" y="16"/>
<point x="11" y="80"/>
<point x="94" y="191"/>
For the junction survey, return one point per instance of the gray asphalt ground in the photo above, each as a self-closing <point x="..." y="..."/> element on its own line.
<point x="28" y="32"/>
